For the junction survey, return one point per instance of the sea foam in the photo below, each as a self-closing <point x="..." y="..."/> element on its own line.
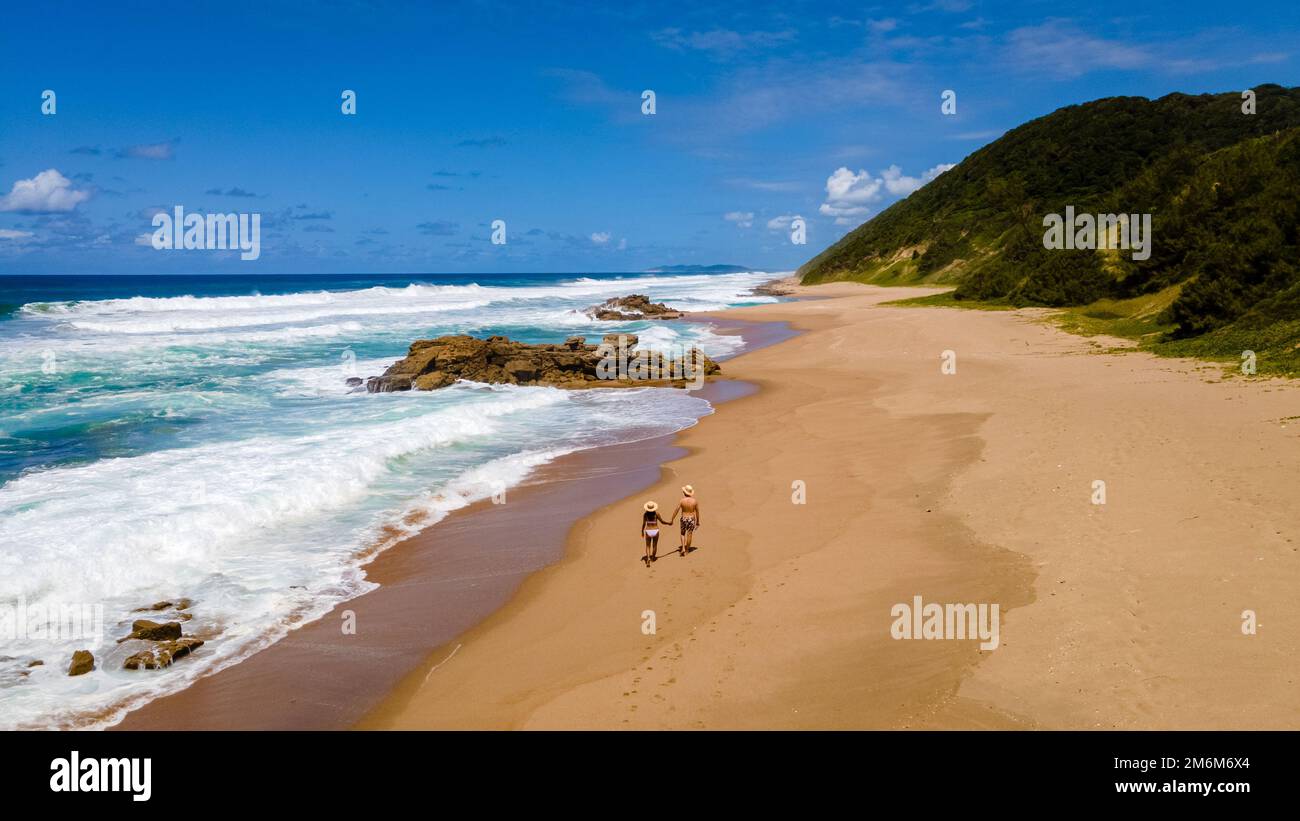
<point x="209" y="448"/>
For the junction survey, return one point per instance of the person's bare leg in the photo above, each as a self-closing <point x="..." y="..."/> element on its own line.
<point x="648" y="549"/>
<point x="654" y="549"/>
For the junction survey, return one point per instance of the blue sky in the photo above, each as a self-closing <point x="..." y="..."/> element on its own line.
<point x="471" y="112"/>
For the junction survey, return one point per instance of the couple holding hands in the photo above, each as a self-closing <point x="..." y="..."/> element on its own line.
<point x="688" y="507"/>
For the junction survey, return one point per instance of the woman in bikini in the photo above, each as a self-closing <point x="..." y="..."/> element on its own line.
<point x="650" y="521"/>
<point x="689" y="507"/>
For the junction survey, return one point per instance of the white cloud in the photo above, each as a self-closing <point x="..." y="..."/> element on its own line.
<point x="767" y="185"/>
<point x="144" y="239"/>
<point x="150" y="151"/>
<point x="937" y="170"/>
<point x="900" y="185"/>
<point x="848" y="195"/>
<point x="743" y="219"/>
<point x="782" y="222"/>
<point x="897" y="183"/>
<point x="1061" y="48"/>
<point x="600" y="237"/>
<point x="721" y="41"/>
<point x="15" y="236"/>
<point x="47" y="192"/>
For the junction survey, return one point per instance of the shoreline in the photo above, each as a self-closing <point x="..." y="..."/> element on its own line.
<point x="973" y="487"/>
<point x="398" y="625"/>
<point x="568" y="650"/>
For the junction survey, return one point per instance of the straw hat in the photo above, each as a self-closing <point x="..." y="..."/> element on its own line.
<point x="688" y="490"/>
<point x="651" y="507"/>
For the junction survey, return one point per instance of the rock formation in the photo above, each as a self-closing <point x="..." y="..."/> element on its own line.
<point x="82" y="662"/>
<point x="153" y="631"/>
<point x="165" y="642"/>
<point x="436" y="363"/>
<point x="777" y="287"/>
<point x="161" y="654"/>
<point x="179" y="604"/>
<point x="632" y="306"/>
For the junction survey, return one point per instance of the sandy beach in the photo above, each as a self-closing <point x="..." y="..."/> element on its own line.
<point x="971" y="487"/>
<point x="432" y="587"/>
<point x="842" y="474"/>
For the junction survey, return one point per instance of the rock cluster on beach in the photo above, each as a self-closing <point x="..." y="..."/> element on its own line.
<point x="630" y="307"/>
<point x="161" y="654"/>
<point x="436" y="363"/>
<point x="166" y="643"/>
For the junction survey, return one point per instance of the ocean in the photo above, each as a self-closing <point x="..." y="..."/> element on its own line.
<point x="194" y="437"/>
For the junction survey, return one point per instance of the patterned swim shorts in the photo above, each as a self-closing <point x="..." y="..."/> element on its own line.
<point x="688" y="524"/>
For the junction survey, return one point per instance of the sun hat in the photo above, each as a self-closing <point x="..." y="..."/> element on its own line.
<point x="688" y="490"/>
<point x="651" y="507"/>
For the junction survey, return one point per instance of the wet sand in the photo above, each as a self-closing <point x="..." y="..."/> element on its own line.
<point x="433" y="587"/>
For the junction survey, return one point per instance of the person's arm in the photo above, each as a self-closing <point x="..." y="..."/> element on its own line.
<point x="698" y="520"/>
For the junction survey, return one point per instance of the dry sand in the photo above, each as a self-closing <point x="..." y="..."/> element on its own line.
<point x="972" y="487"/>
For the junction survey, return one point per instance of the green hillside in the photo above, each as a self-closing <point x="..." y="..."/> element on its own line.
<point x="1223" y="189"/>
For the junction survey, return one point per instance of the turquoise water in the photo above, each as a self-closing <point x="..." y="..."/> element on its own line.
<point x="194" y="437"/>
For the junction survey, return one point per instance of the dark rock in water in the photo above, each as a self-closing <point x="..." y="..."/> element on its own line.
<point x="436" y="363"/>
<point x="632" y="306"/>
<point x="353" y="381"/>
<point x="179" y="604"/>
<point x="35" y="663"/>
<point x="389" y="384"/>
<point x="162" y="654"/>
<point x="777" y="287"/>
<point x="153" y="631"/>
<point x="82" y="662"/>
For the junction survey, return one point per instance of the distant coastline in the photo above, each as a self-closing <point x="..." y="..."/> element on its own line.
<point x="699" y="269"/>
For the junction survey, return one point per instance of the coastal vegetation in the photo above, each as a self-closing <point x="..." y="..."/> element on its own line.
<point x="1223" y="275"/>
